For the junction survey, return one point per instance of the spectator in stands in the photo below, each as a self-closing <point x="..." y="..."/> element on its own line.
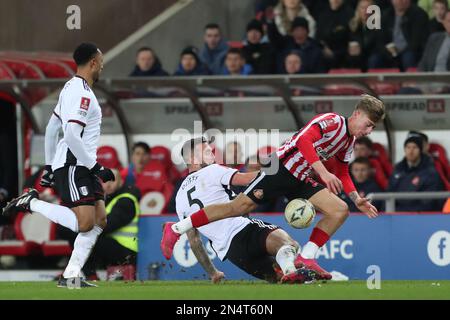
<point x="363" y="41"/>
<point x="403" y="35"/>
<point x="214" y="50"/>
<point x="235" y="64"/>
<point x="117" y="245"/>
<point x="415" y="173"/>
<point x="316" y="7"/>
<point x="363" y="149"/>
<point x="309" y="49"/>
<point x="360" y="170"/>
<point x="440" y="8"/>
<point x="148" y="176"/>
<point x="163" y="155"/>
<point x="293" y="63"/>
<point x="261" y="56"/>
<point x="233" y="155"/>
<point x="285" y="13"/>
<point x="437" y="50"/>
<point x="190" y="64"/>
<point x="333" y="32"/>
<point x="147" y="64"/>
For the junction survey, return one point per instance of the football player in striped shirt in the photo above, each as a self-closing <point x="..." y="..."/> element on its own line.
<point x="322" y="148"/>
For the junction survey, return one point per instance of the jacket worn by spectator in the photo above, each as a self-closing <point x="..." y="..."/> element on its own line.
<point x="214" y="58"/>
<point x="434" y="43"/>
<point x="260" y="56"/>
<point x="124" y="211"/>
<point x="155" y="71"/>
<point x="153" y="178"/>
<point x="310" y="51"/>
<point x="422" y="177"/>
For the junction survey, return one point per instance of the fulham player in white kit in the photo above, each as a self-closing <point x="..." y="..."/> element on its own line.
<point x="251" y="244"/>
<point x="71" y="165"/>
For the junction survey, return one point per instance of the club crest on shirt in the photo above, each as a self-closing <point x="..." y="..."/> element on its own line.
<point x="85" y="103"/>
<point x="84" y="191"/>
<point x="322" y="153"/>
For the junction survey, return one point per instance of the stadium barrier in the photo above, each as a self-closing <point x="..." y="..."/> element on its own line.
<point x="404" y="246"/>
<point x="390" y="197"/>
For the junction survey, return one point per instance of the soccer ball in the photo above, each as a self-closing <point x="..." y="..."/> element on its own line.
<point x="299" y="213"/>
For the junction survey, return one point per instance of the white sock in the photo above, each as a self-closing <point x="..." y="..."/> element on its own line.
<point x="285" y="258"/>
<point x="56" y="213"/>
<point x="182" y="226"/>
<point x="310" y="250"/>
<point x="82" y="248"/>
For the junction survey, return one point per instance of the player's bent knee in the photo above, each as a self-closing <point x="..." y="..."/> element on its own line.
<point x="342" y="211"/>
<point x="242" y="205"/>
<point x="278" y="238"/>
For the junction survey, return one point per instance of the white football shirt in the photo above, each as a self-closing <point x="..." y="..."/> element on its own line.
<point x="77" y="103"/>
<point x="210" y="185"/>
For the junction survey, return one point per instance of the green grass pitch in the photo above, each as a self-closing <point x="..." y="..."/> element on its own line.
<point x="252" y="290"/>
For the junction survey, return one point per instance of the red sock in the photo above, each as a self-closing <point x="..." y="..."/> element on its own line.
<point x="199" y="218"/>
<point x="319" y="237"/>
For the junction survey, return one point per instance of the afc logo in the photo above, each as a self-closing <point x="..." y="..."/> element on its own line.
<point x="439" y="248"/>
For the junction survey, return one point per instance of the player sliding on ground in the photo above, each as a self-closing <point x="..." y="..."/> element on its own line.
<point x="71" y="166"/>
<point x="252" y="245"/>
<point x="325" y="142"/>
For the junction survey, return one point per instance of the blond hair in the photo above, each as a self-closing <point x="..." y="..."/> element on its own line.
<point x="371" y="106"/>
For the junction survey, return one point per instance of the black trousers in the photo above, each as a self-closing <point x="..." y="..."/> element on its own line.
<point x="106" y="252"/>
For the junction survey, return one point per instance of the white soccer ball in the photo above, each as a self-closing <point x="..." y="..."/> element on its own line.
<point x="299" y="213"/>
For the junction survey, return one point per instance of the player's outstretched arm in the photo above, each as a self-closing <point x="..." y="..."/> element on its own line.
<point x="243" y="179"/>
<point x="76" y="146"/>
<point x="333" y="183"/>
<point x="202" y="256"/>
<point x="51" y="138"/>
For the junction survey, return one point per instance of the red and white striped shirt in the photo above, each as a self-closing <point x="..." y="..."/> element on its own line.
<point x="325" y="137"/>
